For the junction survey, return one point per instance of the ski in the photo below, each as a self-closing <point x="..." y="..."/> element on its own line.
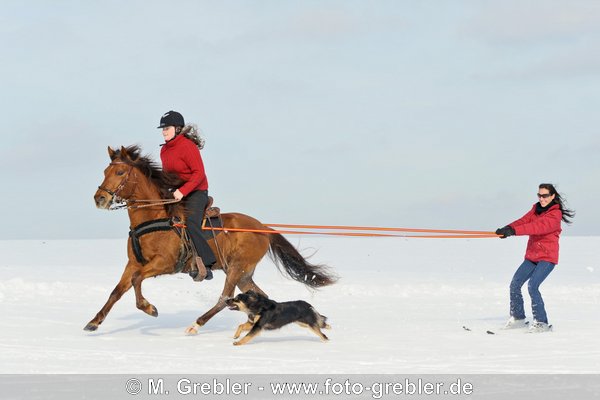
<point x="487" y="331"/>
<point x="548" y="329"/>
<point x="490" y="332"/>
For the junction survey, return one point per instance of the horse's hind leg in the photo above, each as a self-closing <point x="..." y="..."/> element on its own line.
<point x="232" y="279"/>
<point x="247" y="283"/>
<point x="122" y="287"/>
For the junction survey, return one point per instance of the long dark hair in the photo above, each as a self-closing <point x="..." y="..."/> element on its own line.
<point x="567" y="214"/>
<point x="191" y="132"/>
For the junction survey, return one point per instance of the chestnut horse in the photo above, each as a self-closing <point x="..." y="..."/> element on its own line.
<point x="131" y="177"/>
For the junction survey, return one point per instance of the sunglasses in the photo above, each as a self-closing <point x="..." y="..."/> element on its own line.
<point x="543" y="196"/>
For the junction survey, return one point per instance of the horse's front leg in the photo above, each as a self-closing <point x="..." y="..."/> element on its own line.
<point x="122" y="287"/>
<point x="154" y="268"/>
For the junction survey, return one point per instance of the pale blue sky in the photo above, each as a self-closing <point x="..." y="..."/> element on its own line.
<point x="421" y="114"/>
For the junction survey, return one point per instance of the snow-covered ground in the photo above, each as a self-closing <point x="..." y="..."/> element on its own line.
<point x="399" y="307"/>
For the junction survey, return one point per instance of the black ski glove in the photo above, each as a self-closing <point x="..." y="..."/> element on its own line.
<point x="505" y="232"/>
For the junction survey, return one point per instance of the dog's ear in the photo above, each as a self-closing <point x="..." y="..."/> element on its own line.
<point x="241" y="297"/>
<point x="255" y="296"/>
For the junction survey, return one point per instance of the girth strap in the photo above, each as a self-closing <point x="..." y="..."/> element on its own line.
<point x="165" y="224"/>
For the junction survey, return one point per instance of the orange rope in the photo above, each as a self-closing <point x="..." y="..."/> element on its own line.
<point x="372" y="228"/>
<point x="356" y="234"/>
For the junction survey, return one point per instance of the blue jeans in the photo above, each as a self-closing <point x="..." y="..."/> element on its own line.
<point x="535" y="273"/>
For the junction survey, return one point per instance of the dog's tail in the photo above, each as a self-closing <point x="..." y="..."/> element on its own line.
<point x="296" y="267"/>
<point x="322" y="321"/>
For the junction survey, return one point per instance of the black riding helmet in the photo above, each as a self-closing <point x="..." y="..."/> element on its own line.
<point x="171" y="118"/>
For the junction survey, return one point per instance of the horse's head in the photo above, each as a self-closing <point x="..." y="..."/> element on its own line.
<point x="117" y="184"/>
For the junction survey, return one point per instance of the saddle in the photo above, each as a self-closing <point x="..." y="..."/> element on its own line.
<point x="212" y="219"/>
<point x="210" y="211"/>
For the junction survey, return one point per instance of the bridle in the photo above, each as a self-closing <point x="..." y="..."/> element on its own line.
<point x="124" y="203"/>
<point x="115" y="194"/>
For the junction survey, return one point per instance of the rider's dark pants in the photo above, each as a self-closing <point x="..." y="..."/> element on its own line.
<point x="195" y="203"/>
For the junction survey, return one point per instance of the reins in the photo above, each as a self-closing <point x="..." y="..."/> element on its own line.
<point x="152" y="203"/>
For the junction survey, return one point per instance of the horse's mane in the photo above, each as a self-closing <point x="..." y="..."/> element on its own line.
<point x="164" y="181"/>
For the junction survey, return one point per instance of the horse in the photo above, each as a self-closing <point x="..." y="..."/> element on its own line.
<point x="131" y="177"/>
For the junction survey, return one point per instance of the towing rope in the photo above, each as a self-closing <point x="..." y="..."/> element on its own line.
<point x="383" y="229"/>
<point x="338" y="229"/>
<point x="441" y="233"/>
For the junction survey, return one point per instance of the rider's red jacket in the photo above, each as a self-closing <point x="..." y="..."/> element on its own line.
<point x="543" y="230"/>
<point x="181" y="156"/>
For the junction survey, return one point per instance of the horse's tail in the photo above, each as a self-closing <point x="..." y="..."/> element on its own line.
<point x="295" y="266"/>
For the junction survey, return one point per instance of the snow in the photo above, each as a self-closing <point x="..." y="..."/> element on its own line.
<point x="399" y="307"/>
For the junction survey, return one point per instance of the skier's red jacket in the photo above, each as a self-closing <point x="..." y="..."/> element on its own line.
<point x="543" y="230"/>
<point x="181" y="156"/>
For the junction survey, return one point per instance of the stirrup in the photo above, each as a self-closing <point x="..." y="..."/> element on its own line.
<point x="204" y="273"/>
<point x="200" y="270"/>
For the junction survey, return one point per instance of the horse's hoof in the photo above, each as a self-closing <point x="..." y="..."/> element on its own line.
<point x="90" y="327"/>
<point x="192" y="330"/>
<point x="153" y="311"/>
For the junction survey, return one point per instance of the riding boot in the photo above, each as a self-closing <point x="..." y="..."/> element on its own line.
<point x="200" y="270"/>
<point x="209" y="274"/>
